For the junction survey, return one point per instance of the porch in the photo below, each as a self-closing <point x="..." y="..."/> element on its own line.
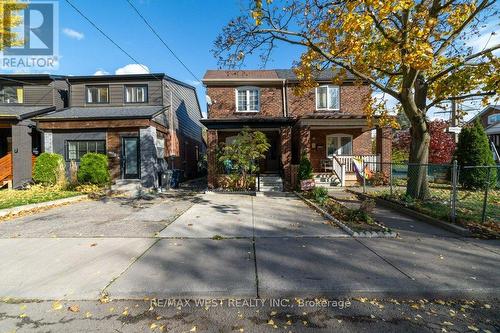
<point x="338" y="145"/>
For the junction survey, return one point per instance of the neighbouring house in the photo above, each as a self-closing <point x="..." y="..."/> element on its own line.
<point x="327" y="124"/>
<point x="23" y="97"/>
<point x="490" y="119"/>
<point x="144" y="123"/>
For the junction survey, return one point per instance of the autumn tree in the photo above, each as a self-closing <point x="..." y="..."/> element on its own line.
<point x="441" y="144"/>
<point x="414" y="51"/>
<point x="10" y="19"/>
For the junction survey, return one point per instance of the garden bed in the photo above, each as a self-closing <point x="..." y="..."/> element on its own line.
<point x="357" y="222"/>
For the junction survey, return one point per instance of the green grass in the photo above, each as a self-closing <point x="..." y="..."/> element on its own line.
<point x="36" y="194"/>
<point x="469" y="203"/>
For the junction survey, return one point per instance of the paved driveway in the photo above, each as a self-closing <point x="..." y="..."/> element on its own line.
<point x="232" y="216"/>
<point x="269" y="246"/>
<point x="110" y="217"/>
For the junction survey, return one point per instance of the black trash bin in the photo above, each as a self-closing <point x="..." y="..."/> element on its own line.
<point x="176" y="178"/>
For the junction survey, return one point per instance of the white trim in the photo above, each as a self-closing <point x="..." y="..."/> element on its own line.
<point x="247" y="89"/>
<point x="338" y="135"/>
<point x="328" y="86"/>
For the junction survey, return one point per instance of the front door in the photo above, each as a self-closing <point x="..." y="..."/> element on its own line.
<point x="271" y="162"/>
<point x="130" y="158"/>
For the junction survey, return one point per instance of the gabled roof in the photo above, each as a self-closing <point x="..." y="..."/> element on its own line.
<point x="19" y="112"/>
<point x="483" y="111"/>
<point x="103" y="112"/>
<point x="278" y="75"/>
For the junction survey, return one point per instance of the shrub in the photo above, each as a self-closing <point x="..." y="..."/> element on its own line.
<point x="473" y="149"/>
<point x="49" y="169"/>
<point x="320" y="194"/>
<point x="93" y="169"/>
<point x="305" y="168"/>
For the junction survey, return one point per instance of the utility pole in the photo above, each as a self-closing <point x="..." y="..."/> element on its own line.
<point x="454" y="119"/>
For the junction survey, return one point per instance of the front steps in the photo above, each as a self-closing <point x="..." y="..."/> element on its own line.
<point x="270" y="183"/>
<point x="329" y="180"/>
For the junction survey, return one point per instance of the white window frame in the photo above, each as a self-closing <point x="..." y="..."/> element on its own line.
<point x="135" y="87"/>
<point x="339" y="136"/>
<point x="328" y="87"/>
<point x="247" y="89"/>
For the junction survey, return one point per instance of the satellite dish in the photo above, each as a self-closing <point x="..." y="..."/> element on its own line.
<point x="208" y="99"/>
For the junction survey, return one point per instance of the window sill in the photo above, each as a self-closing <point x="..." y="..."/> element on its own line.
<point x="257" y="111"/>
<point x="327" y="110"/>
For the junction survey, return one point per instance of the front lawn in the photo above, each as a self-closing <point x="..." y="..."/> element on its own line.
<point x="469" y="207"/>
<point x="36" y="194"/>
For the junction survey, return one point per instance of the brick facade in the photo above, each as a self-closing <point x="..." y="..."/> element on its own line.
<point x="352" y="101"/>
<point x="384" y="147"/>
<point x="224" y="102"/>
<point x="303" y="137"/>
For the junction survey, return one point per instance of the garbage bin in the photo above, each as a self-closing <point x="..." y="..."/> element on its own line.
<point x="176" y="178"/>
<point x="165" y="179"/>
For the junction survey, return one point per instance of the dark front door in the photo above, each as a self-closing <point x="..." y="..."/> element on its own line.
<point x="130" y="158"/>
<point x="271" y="163"/>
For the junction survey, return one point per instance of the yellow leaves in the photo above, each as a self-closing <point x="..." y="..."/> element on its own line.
<point x="473" y="328"/>
<point x="57" y="305"/>
<point x="74" y="308"/>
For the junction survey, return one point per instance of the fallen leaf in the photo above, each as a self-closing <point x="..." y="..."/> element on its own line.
<point x="487" y="306"/>
<point x="74" y="308"/>
<point x="93" y="244"/>
<point x="88" y="314"/>
<point x="270" y="322"/>
<point x="57" y="305"/>
<point x="473" y="328"/>
<point x="447" y="323"/>
<point x="273" y="313"/>
<point x="153" y="326"/>
<point x="22" y="315"/>
<point x="193" y="329"/>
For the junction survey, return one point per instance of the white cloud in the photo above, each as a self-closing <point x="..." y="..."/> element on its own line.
<point x="101" y="72"/>
<point x="488" y="37"/>
<point x="132" y="69"/>
<point x="73" y="34"/>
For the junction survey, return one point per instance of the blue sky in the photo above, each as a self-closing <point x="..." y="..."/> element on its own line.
<point x="188" y="26"/>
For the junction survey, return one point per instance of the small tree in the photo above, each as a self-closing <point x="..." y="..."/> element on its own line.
<point x="49" y="169"/>
<point x="93" y="169"/>
<point x="245" y="151"/>
<point x="305" y="168"/>
<point x="473" y="149"/>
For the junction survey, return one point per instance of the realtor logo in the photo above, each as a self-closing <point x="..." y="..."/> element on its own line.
<point x="33" y="43"/>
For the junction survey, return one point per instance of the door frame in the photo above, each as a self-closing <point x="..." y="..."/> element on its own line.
<point x="122" y="157"/>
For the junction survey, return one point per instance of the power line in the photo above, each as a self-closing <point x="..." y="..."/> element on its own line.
<point x="163" y="41"/>
<point x="110" y="39"/>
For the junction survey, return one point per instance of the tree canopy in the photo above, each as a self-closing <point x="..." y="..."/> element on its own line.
<point x="416" y="51"/>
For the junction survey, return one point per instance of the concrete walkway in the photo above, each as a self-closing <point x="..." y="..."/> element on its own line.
<point x="266" y="246"/>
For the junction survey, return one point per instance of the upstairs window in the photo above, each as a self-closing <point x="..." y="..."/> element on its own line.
<point x="11" y="94"/>
<point x="327" y="98"/>
<point x="76" y="149"/>
<point x="247" y="99"/>
<point x="136" y="94"/>
<point x="494" y="118"/>
<point x="97" y="94"/>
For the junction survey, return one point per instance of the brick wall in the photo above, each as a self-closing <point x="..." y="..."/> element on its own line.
<point x="384" y="147"/>
<point x="224" y="103"/>
<point x="352" y="101"/>
<point x="286" y="155"/>
<point x="212" y="158"/>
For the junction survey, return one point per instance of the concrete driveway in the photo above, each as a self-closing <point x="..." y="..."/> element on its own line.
<point x="230" y="216"/>
<point x="268" y="246"/>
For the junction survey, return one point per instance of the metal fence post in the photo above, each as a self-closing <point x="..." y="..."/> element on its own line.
<point x="485" y="202"/>
<point x="454" y="181"/>
<point x="390" y="178"/>
<point x="364" y="177"/>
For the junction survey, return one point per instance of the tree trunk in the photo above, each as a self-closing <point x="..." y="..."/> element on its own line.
<point x="418" y="186"/>
<point x="414" y="106"/>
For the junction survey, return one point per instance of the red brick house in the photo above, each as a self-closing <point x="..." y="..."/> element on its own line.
<point x="327" y="124"/>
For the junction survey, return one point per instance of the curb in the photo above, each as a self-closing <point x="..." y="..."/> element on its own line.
<point x="419" y="216"/>
<point x="24" y="208"/>
<point x="362" y="234"/>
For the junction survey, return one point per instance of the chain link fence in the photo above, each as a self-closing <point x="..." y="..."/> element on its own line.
<point x="450" y="194"/>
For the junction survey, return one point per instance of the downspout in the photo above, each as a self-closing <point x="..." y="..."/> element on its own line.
<point x="285" y="100"/>
<point x="172" y="131"/>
